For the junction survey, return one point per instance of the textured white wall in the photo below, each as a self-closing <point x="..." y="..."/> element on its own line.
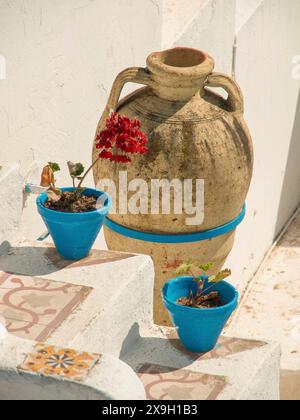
<point x="11" y="204"/>
<point x="266" y="45"/>
<point x="211" y="29"/>
<point x="61" y="59"/>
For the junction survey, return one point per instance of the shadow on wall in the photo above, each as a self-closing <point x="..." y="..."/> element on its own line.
<point x="290" y="194"/>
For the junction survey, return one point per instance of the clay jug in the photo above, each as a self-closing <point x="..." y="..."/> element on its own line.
<point x="194" y="134"/>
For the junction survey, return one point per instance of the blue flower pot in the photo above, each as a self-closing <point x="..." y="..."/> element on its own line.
<point x="74" y="234"/>
<point x="198" y="329"/>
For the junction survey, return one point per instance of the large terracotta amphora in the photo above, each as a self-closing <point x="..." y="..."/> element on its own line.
<point x="194" y="134"/>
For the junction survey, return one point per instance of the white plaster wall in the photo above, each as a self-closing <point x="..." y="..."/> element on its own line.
<point x="208" y="25"/>
<point x="11" y="203"/>
<point x="266" y="45"/>
<point x="177" y="18"/>
<point x="61" y="58"/>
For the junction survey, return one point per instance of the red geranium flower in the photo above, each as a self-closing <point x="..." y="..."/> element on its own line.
<point x="120" y="138"/>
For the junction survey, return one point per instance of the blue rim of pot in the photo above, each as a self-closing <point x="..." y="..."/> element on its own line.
<point x="177" y="238"/>
<point x="233" y="303"/>
<point x="42" y="198"/>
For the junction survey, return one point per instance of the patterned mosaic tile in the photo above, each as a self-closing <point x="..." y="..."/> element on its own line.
<point x="59" y="363"/>
<point x="33" y="308"/>
<point x="165" y="383"/>
<point x="226" y="346"/>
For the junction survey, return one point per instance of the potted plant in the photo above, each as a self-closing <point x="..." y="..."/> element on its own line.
<point x="199" y="305"/>
<point x="74" y="216"/>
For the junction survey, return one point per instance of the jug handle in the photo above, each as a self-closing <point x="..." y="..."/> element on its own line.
<point x="137" y="75"/>
<point x="235" y="97"/>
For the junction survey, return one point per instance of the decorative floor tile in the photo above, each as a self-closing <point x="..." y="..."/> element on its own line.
<point x="225" y="347"/>
<point x="60" y="363"/>
<point x="3" y="277"/>
<point x="230" y="346"/>
<point x="33" y="308"/>
<point x="25" y="330"/>
<point x="165" y="383"/>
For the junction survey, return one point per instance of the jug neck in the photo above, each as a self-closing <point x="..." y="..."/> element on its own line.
<point x="180" y="73"/>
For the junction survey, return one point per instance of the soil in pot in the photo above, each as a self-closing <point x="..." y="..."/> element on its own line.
<point x="211" y="300"/>
<point x="69" y="203"/>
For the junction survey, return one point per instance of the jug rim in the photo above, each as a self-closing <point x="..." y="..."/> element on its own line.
<point x="181" y="62"/>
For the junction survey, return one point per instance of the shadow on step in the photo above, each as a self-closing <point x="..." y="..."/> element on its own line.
<point x="38" y="261"/>
<point x="153" y="349"/>
<point x="164" y="348"/>
<point x="31" y="261"/>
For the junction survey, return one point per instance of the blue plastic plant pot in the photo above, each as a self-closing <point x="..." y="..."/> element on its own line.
<point x="74" y="234"/>
<point x="198" y="329"/>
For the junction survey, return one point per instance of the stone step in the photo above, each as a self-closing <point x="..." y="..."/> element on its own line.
<point x="271" y="310"/>
<point x="237" y="369"/>
<point x="91" y="304"/>
<point x="103" y="305"/>
<point x="30" y="371"/>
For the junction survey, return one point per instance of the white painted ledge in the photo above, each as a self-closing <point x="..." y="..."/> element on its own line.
<point x="3" y="331"/>
<point x="11" y="203"/>
<point x="249" y="369"/>
<point x="110" y="379"/>
<point x="121" y="296"/>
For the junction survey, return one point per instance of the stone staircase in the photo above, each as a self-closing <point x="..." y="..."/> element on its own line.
<point x="102" y="307"/>
<point x="83" y="330"/>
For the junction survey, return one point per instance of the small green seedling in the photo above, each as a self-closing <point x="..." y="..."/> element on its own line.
<point x="197" y="270"/>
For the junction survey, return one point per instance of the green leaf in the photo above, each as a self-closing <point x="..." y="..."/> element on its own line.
<point x="75" y="169"/>
<point x="206" y="267"/>
<point x="220" y="276"/>
<point x="185" y="267"/>
<point x="54" y="166"/>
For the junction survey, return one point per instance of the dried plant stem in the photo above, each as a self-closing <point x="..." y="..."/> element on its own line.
<point x="85" y="175"/>
<point x="201" y="290"/>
